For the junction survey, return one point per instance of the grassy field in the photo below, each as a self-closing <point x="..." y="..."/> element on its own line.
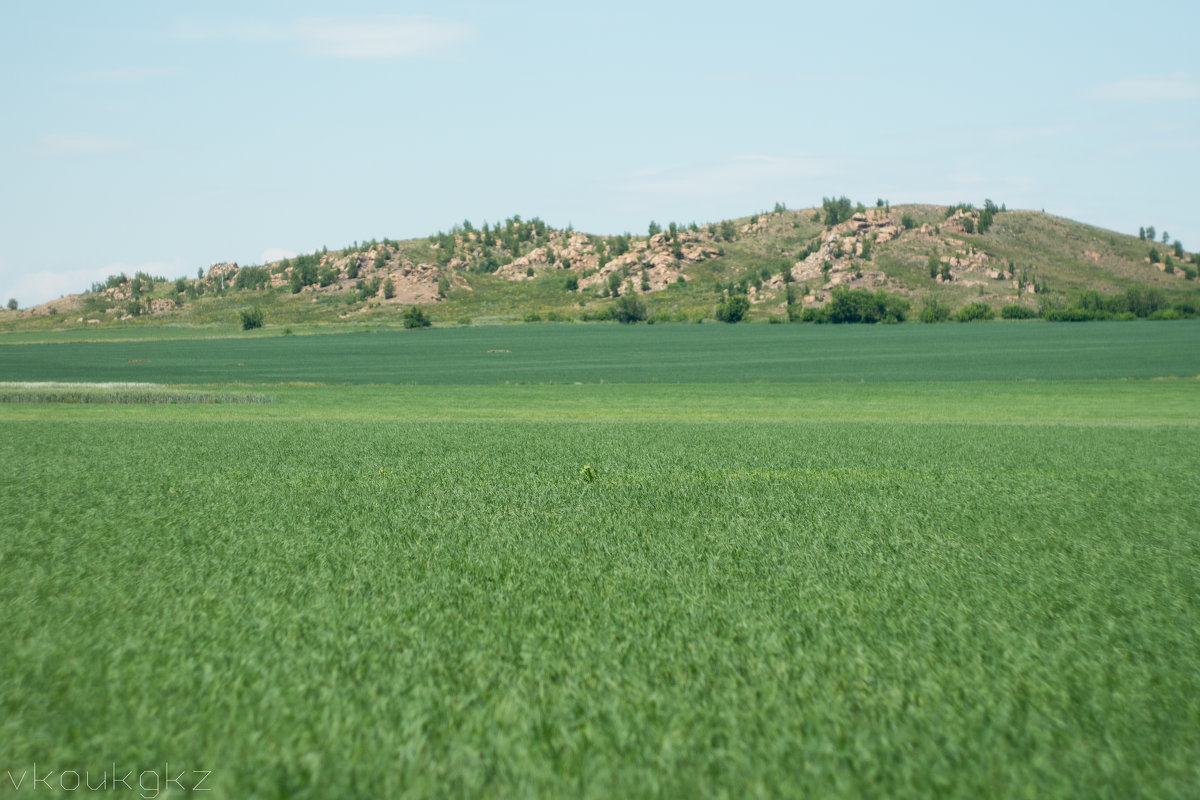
<point x="594" y="353"/>
<point x="937" y="584"/>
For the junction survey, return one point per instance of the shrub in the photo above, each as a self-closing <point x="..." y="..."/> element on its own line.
<point x="908" y="222"/>
<point x="629" y="309"/>
<point x="252" y="278"/>
<point x="858" y="305"/>
<point x="972" y="312"/>
<point x="935" y="311"/>
<point x="414" y="317"/>
<point x="326" y="275"/>
<point x="533" y="316"/>
<point x="571" y="284"/>
<point x="733" y="308"/>
<point x="1015" y="311"/>
<point x="389" y="288"/>
<point x="969" y="225"/>
<point x="252" y="318"/>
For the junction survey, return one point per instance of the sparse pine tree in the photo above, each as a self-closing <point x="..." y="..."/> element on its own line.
<point x="654" y="228"/>
<point x="12" y="304"/>
<point x="1150" y="234"/>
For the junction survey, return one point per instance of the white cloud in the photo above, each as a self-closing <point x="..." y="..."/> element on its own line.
<point x="738" y="174"/>
<point x="272" y="254"/>
<point x="80" y="145"/>
<point x="39" y="287"/>
<point x="379" y="37"/>
<point x="1175" y="87"/>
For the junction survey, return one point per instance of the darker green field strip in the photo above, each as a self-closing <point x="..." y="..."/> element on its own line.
<point x="344" y="607"/>
<point x="635" y="354"/>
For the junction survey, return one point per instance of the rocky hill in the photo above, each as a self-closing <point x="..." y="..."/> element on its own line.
<point x="783" y="262"/>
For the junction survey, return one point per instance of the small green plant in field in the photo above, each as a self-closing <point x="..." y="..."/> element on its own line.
<point x="251" y="318"/>
<point x="733" y="308"/>
<point x="415" y="317"/>
<point x="935" y="311"/>
<point x="588" y="474"/>
<point x="629" y="309"/>
<point x="972" y="312"/>
<point x="1016" y="311"/>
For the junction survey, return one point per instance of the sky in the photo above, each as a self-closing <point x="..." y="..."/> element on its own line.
<point x="163" y="137"/>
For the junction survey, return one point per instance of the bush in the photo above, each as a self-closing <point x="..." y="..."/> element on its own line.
<point x="414" y="317"/>
<point x="252" y="278"/>
<point x="571" y="284"/>
<point x="935" y="311"/>
<point x="389" y="288"/>
<point x="1014" y="311"/>
<point x="533" y="316"/>
<point x="629" y="309"/>
<point x="252" y="318"/>
<point x="972" y="312"/>
<point x="908" y="222"/>
<point x="858" y="305"/>
<point x="733" y="308"/>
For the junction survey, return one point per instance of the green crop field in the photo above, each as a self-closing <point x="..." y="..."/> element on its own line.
<point x="593" y="353"/>
<point x="914" y="561"/>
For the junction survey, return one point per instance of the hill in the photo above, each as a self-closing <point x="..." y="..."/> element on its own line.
<point x="787" y="264"/>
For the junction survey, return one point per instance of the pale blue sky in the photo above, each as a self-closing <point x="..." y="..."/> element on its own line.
<point x="165" y="136"/>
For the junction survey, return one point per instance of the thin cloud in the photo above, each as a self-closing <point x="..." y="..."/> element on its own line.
<point x="380" y="37"/>
<point x="273" y="254"/>
<point x="80" y="145"/>
<point x="1175" y="87"/>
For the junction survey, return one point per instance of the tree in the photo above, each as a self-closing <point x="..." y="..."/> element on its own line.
<point x="414" y="317"/>
<point x="1150" y="233"/>
<point x="389" y="289"/>
<point x="252" y="318"/>
<point x="629" y="309"/>
<point x="1178" y="245"/>
<point x="654" y="228"/>
<point x="733" y="308"/>
<point x="1142" y="233"/>
<point x="1165" y="237"/>
<point x="12" y="304"/>
<point x="571" y="284"/>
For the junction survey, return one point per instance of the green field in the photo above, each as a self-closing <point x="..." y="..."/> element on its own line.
<point x="918" y="561"/>
<point x="594" y="353"/>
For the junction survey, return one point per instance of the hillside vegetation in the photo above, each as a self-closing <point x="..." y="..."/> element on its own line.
<point x="843" y="262"/>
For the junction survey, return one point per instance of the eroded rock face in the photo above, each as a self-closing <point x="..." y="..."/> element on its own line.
<point x="222" y="269"/>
